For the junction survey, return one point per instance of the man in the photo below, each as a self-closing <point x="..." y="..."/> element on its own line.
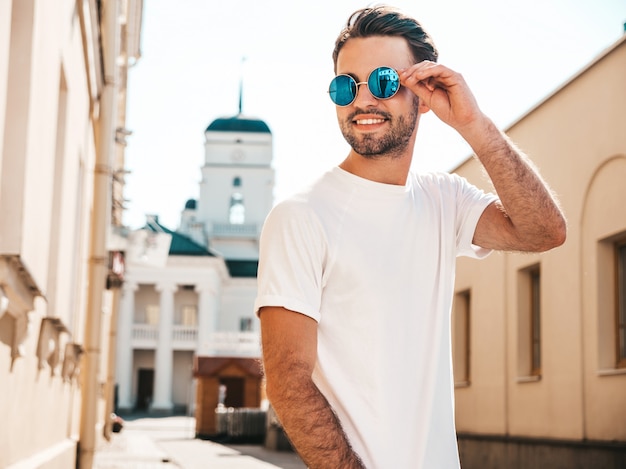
<point x="356" y="274"/>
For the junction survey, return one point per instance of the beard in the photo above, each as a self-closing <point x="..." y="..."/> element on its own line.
<point x="392" y="143"/>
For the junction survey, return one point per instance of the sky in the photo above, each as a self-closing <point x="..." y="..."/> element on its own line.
<point x="513" y="54"/>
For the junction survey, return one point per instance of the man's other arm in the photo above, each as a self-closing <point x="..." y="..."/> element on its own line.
<point x="289" y="342"/>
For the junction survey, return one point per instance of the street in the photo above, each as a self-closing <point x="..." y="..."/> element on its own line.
<point x="169" y="443"/>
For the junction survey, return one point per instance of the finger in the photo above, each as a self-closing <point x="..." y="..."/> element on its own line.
<point x="420" y="87"/>
<point x="435" y="75"/>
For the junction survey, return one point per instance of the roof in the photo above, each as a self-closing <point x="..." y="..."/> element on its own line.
<point x="238" y="123"/>
<point x="242" y="268"/>
<point x="212" y="366"/>
<point x="181" y="245"/>
<point x="619" y="43"/>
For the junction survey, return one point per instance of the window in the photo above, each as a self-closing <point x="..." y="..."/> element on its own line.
<point x="237" y="213"/>
<point x="152" y="315"/>
<point x="187" y="316"/>
<point x="245" y="324"/>
<point x="611" y="298"/>
<point x="529" y="322"/>
<point x="57" y="208"/>
<point x="461" y="338"/>
<point x="620" y="309"/>
<point x="535" y="322"/>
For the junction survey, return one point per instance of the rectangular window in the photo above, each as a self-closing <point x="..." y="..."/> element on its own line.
<point x="152" y="315"/>
<point x="535" y="321"/>
<point x="187" y="316"/>
<point x="620" y="310"/>
<point x="529" y="323"/>
<point x="57" y="207"/>
<point x="461" y="338"/>
<point x="245" y="324"/>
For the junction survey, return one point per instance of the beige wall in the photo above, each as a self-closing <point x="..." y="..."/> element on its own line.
<point x="577" y="137"/>
<point x="44" y="219"/>
<point x="50" y="83"/>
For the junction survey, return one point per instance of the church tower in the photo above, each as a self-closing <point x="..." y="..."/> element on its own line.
<point x="236" y="192"/>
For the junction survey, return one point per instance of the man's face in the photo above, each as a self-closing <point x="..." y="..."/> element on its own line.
<point x="371" y="126"/>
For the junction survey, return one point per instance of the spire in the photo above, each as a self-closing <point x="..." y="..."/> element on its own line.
<point x="243" y="59"/>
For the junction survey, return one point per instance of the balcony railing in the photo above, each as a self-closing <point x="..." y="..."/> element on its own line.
<point x="185" y="334"/>
<point x="243" y="230"/>
<point x="186" y="338"/>
<point x="145" y="333"/>
<point x="235" y="342"/>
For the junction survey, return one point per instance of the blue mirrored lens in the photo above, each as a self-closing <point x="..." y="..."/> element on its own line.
<point x="383" y="82"/>
<point x="342" y="90"/>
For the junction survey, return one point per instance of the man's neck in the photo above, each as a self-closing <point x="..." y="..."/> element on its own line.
<point x="384" y="169"/>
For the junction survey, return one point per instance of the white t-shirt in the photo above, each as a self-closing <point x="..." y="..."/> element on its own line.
<point x="374" y="265"/>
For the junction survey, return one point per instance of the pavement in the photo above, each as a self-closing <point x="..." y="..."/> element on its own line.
<point x="170" y="443"/>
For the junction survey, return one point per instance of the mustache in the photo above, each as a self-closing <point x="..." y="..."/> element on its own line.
<point x="370" y="112"/>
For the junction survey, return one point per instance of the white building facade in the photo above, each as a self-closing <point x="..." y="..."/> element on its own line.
<point x="63" y="69"/>
<point x="190" y="293"/>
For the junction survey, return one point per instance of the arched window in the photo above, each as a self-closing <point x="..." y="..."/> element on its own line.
<point x="237" y="214"/>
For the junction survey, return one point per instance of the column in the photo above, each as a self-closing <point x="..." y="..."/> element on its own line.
<point x="208" y="314"/>
<point x="124" y="355"/>
<point x="162" y="398"/>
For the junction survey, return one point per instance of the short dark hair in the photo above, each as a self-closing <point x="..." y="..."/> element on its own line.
<point x="384" y="20"/>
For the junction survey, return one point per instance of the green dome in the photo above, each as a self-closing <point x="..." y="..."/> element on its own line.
<point x="238" y="123"/>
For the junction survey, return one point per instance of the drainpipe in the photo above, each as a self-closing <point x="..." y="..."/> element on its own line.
<point x="101" y="213"/>
<point x="109" y="388"/>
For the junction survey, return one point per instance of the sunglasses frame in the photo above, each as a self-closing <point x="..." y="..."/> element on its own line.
<point x="357" y="85"/>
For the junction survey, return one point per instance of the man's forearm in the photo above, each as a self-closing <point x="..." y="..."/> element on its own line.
<point x="525" y="197"/>
<point x="313" y="427"/>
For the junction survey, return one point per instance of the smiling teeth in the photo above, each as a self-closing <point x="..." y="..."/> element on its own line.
<point x="370" y="121"/>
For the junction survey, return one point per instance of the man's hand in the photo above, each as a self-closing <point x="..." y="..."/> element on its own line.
<point x="445" y="92"/>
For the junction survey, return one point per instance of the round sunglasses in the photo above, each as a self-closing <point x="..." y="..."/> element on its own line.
<point x="382" y="82"/>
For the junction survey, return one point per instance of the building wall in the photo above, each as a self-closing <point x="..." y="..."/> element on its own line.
<point x="183" y="386"/>
<point x="45" y="148"/>
<point x="576" y="137"/>
<point x="238" y="303"/>
<point x="5" y="44"/>
<point x="217" y="187"/>
<point x="50" y="88"/>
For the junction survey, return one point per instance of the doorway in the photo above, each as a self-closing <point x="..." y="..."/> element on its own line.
<point x="234" y="391"/>
<point x="145" y="388"/>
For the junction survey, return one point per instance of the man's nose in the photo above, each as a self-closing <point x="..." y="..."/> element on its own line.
<point x="363" y="95"/>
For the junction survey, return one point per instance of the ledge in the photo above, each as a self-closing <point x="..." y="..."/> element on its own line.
<point x="612" y="372"/>
<point x="528" y="379"/>
<point x="542" y="440"/>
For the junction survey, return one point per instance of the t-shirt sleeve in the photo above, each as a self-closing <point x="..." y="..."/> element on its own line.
<point x="470" y="205"/>
<point x="292" y="253"/>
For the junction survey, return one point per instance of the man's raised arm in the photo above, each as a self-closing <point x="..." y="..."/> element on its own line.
<point x="527" y="217"/>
